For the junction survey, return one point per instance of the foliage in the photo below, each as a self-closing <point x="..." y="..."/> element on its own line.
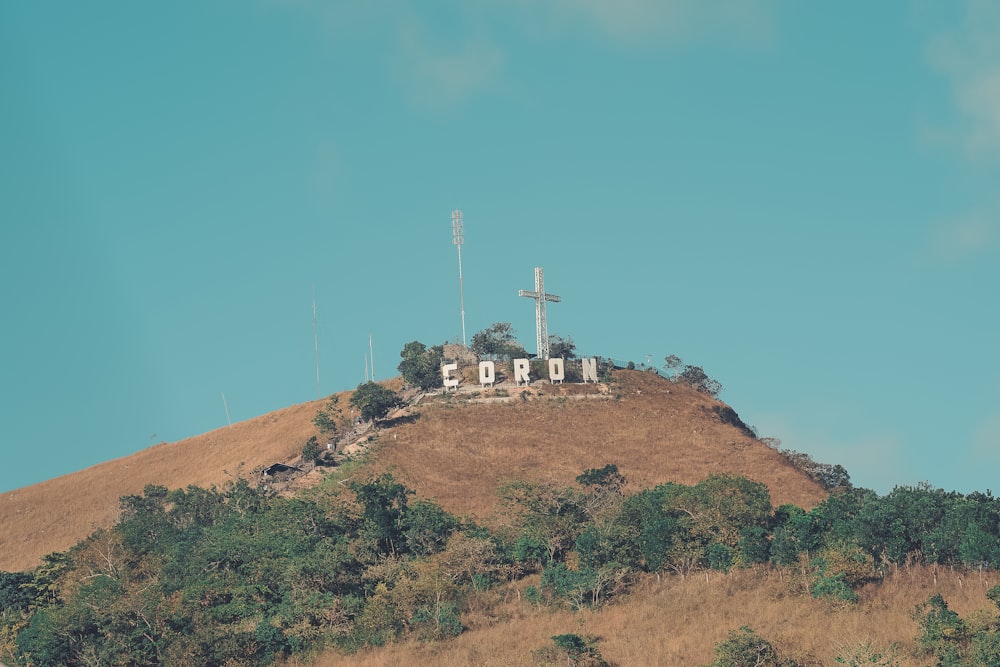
<point x="237" y="576"/>
<point x="943" y="634"/>
<point x="421" y="366"/>
<point x="202" y="576"/>
<point x="311" y="451"/>
<point x="13" y="596"/>
<point x="693" y="376"/>
<point x="497" y="342"/>
<point x="561" y="348"/>
<point x="728" y="416"/>
<point x="545" y="515"/>
<point x="374" y="401"/>
<point x="745" y="648"/>
<point x="325" y="420"/>
<point x="571" y="649"/>
<point x="829" y="476"/>
<point x="697" y="378"/>
<point x="672" y="362"/>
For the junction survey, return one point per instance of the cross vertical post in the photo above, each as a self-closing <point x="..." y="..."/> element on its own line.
<point x="541" y="326"/>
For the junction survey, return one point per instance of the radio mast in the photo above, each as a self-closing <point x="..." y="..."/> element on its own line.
<point x="458" y="238"/>
<point x="316" y="341"/>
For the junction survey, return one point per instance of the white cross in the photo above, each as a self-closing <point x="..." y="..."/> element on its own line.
<point x="540" y="297"/>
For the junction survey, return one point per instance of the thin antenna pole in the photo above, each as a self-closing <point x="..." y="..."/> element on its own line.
<point x="371" y="353"/>
<point x="458" y="238"/>
<point x="230" y="421"/>
<point x="316" y="342"/>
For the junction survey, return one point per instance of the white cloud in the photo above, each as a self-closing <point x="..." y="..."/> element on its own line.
<point x="986" y="442"/>
<point x="964" y="238"/>
<point x="642" y="20"/>
<point x="440" y="77"/>
<point x="970" y="57"/>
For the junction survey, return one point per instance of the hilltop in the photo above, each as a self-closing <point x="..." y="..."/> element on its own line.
<point x="452" y="448"/>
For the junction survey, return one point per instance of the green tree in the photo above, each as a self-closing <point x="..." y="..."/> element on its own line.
<point x="672" y="362"/>
<point x="943" y="634"/>
<point x="311" y="451"/>
<point x="697" y="378"/>
<point x="496" y="341"/>
<point x="385" y="504"/>
<point x="421" y="366"/>
<point x="560" y="347"/>
<point x="545" y="514"/>
<point x="325" y="419"/>
<point x="374" y="401"/>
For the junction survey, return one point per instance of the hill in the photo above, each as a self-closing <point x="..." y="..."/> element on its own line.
<point x="452" y="449"/>
<point x="650" y="576"/>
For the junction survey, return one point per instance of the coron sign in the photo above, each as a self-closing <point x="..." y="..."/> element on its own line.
<point x="522" y="372"/>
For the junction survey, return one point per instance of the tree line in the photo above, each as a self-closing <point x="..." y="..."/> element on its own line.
<point x="239" y="576"/>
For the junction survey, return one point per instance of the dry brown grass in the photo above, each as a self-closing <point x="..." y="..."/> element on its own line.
<point x="656" y="431"/>
<point x="459" y="453"/>
<point x="456" y="452"/>
<point x="678" y="621"/>
<point x="55" y="514"/>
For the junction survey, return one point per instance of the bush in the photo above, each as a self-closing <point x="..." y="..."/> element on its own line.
<point x="571" y="649"/>
<point x="374" y="401"/>
<point x="311" y="451"/>
<point x="745" y="648"/>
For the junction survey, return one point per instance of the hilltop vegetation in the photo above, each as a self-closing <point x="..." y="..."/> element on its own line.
<point x="242" y="576"/>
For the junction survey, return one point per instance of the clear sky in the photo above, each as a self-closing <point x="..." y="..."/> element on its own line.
<point x="803" y="198"/>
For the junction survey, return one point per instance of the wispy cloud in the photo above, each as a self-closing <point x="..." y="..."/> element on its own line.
<point x="986" y="442"/>
<point x="437" y="76"/>
<point x="970" y="57"/>
<point x="442" y="70"/>
<point x="964" y="238"/>
<point x="642" y="20"/>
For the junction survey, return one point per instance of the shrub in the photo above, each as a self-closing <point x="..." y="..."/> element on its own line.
<point x="745" y="648"/>
<point x="571" y="649"/>
<point x="311" y="451"/>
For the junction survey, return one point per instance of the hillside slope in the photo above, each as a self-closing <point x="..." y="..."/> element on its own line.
<point x="655" y="431"/>
<point x="55" y="514"/>
<point x="453" y="450"/>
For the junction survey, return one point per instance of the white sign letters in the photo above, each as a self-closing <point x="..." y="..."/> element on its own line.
<point x="522" y="372"/>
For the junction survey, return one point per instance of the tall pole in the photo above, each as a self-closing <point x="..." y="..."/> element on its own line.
<point x="316" y="341"/>
<point x="371" y="353"/>
<point x="458" y="238"/>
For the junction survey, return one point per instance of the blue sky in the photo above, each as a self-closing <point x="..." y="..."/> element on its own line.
<point x="801" y="198"/>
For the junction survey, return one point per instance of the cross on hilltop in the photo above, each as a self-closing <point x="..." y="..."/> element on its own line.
<point x="541" y="326"/>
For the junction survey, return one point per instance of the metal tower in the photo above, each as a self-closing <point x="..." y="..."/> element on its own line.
<point x="458" y="238"/>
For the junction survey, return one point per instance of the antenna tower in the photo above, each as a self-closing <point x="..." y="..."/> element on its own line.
<point x="316" y="342"/>
<point x="458" y="238"/>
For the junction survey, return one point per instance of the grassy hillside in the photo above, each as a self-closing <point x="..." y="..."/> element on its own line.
<point x="459" y="452"/>
<point x="455" y="451"/>
<point x="55" y="514"/>
<point x="317" y="566"/>
<point x="675" y="621"/>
